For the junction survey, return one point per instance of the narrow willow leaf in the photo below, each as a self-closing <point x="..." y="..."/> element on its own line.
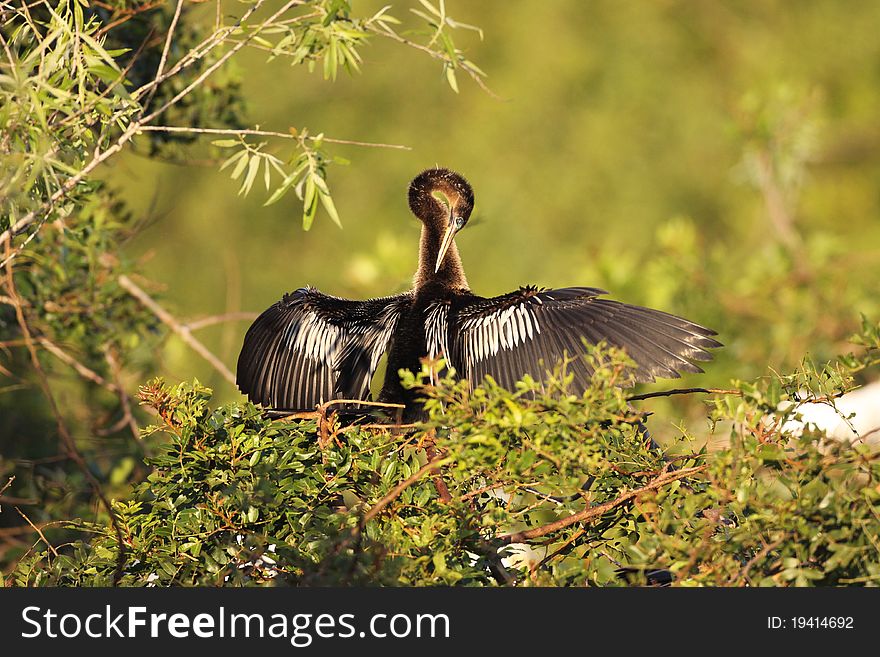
<point x="330" y="60"/>
<point x="427" y="5"/>
<point x="309" y="212"/>
<point x="239" y="168"/>
<point x="233" y="159"/>
<point x="430" y="21"/>
<point x="278" y="193"/>
<point x="226" y="143"/>
<point x="253" y="169"/>
<point x="381" y="16"/>
<point x="309" y="195"/>
<point x="330" y="207"/>
<point x="321" y="184"/>
<point x="450" y="78"/>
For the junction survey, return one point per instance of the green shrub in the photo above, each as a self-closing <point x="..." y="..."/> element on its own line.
<point x="570" y="484"/>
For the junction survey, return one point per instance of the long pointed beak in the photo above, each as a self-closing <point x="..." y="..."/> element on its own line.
<point x="448" y="237"/>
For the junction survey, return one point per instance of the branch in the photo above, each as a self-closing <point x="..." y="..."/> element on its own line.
<point x="168" y="38"/>
<point x="66" y="437"/>
<point x="763" y="552"/>
<point x="475" y="76"/>
<point x="402" y="486"/>
<point x="180" y="329"/>
<point x="130" y="131"/>
<point x="265" y="133"/>
<point x="596" y="511"/>
<point x="39" y="532"/>
<point x="685" y="391"/>
<point x="198" y="52"/>
<point x="197" y="324"/>
<point x="127" y="415"/>
<point x="222" y="60"/>
<point x="80" y="369"/>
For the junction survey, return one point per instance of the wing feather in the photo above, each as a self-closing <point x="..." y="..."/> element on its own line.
<point x="530" y="330"/>
<point x="310" y="347"/>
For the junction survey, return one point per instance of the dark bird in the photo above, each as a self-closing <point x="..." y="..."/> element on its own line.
<point x="310" y="347"/>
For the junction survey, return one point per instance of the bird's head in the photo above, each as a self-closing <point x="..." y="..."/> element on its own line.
<point x="442" y="200"/>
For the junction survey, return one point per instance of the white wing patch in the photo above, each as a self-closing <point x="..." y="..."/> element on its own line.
<point x="315" y="338"/>
<point x="504" y="329"/>
<point x="437" y="330"/>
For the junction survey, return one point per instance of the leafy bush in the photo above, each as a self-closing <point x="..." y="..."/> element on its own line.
<point x="535" y="486"/>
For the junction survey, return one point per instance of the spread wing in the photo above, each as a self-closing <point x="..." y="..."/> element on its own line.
<point x="530" y="330"/>
<point x="310" y="347"/>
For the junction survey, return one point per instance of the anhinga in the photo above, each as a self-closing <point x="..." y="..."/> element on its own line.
<point x="310" y="347"/>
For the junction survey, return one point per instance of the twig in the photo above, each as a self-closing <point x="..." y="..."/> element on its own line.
<point x="684" y="391"/>
<point x="364" y="402"/>
<point x="476" y="77"/>
<point x="439" y="484"/>
<point x="385" y="426"/>
<point x="80" y="369"/>
<point x="125" y="14"/>
<point x="402" y="486"/>
<point x="69" y="443"/>
<point x="571" y="539"/>
<point x="125" y="137"/>
<point x="197" y="324"/>
<point x="23" y="501"/>
<point x="180" y="329"/>
<point x="764" y="551"/>
<point x="39" y="532"/>
<point x="265" y="133"/>
<point x="198" y="52"/>
<point x="596" y="511"/>
<point x="220" y="61"/>
<point x="164" y="58"/>
<point x="127" y="415"/>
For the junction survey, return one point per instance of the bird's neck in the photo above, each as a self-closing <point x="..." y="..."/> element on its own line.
<point x="451" y="272"/>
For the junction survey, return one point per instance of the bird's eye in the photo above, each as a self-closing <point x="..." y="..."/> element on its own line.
<point x="459" y="221"/>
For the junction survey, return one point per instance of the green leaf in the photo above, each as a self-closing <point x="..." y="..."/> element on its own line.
<point x="450" y="78"/>
<point x="329" y="206"/>
<point x="427" y="5"/>
<point x="239" y="168"/>
<point x="253" y="169"/>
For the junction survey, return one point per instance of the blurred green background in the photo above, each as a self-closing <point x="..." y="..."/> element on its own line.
<point x="643" y="147"/>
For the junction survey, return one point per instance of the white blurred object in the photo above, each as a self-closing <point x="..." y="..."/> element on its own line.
<point x="521" y="556"/>
<point x="857" y="415"/>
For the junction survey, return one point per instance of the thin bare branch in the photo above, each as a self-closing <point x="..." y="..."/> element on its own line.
<point x="82" y="370"/>
<point x="127" y="415"/>
<point x="180" y="329"/>
<point x="220" y="61"/>
<point x="41" y="213"/>
<point x="266" y="133"/>
<point x="593" y="512"/>
<point x="394" y="36"/>
<point x="395" y="492"/>
<point x="165" y="50"/>
<point x="69" y="443"/>
<point x="684" y="391"/>
<point x="38" y="530"/>
<point x="197" y="324"/>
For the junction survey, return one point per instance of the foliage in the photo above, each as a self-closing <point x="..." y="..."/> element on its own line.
<point x="81" y="84"/>
<point x="670" y="153"/>
<point x="535" y="486"/>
